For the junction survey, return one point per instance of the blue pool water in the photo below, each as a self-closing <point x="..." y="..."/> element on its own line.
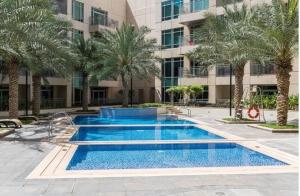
<point x="92" y="157"/>
<point x="98" y="120"/>
<point x="142" y="133"/>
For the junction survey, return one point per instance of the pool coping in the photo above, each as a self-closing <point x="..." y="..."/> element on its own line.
<point x="55" y="163"/>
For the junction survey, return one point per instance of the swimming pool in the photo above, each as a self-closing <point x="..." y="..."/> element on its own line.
<point x="141" y="120"/>
<point x="142" y="133"/>
<point x="143" y="156"/>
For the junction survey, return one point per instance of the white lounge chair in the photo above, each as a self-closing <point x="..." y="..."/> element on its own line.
<point x="14" y="123"/>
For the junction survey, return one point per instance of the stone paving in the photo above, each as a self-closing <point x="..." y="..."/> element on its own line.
<point x="20" y="154"/>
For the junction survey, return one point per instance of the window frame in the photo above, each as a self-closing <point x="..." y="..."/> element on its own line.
<point x="78" y="5"/>
<point x="171" y="33"/>
<point x="101" y="13"/>
<point x="173" y="5"/>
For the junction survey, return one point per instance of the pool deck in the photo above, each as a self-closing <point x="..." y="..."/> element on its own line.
<point x="23" y="151"/>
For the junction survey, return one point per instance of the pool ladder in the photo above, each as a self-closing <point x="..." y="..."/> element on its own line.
<point x="189" y="111"/>
<point x="177" y="110"/>
<point x="64" y="117"/>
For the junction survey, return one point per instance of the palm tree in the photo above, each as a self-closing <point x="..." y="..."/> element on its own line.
<point x="126" y="54"/>
<point x="54" y="56"/>
<point x="52" y="64"/>
<point x="276" y="31"/>
<point x="225" y="40"/>
<point x="86" y="51"/>
<point x="22" y="31"/>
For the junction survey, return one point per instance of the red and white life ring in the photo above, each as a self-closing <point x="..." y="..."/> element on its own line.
<point x="250" y="112"/>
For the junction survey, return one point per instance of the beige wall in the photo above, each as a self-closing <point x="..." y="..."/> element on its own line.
<point x="116" y="10"/>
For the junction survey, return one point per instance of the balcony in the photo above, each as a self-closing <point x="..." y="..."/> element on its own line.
<point x="98" y="24"/>
<point x="193" y="72"/>
<point x="223" y="71"/>
<point x="187" y="44"/>
<point x="257" y="69"/>
<point x="194" y="11"/>
<point x="193" y="76"/>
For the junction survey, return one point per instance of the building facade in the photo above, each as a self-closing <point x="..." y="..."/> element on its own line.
<point x="87" y="18"/>
<point x="172" y="23"/>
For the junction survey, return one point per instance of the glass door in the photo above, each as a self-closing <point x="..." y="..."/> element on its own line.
<point x="98" y="97"/>
<point x="4" y="99"/>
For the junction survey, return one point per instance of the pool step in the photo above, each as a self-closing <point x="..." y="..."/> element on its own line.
<point x="174" y="110"/>
<point x="65" y="136"/>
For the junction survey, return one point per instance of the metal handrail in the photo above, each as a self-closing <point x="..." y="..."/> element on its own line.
<point x="189" y="111"/>
<point x="51" y="123"/>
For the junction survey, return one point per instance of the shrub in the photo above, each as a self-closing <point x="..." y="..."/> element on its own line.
<point x="293" y="102"/>
<point x="270" y="101"/>
<point x="152" y="105"/>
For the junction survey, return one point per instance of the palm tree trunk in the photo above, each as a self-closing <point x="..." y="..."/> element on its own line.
<point x="85" y="96"/>
<point x="36" y="102"/>
<point x="13" y="76"/>
<point x="283" y="84"/>
<point x="125" y="92"/>
<point x="238" y="90"/>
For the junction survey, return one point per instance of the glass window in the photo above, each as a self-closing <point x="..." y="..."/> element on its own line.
<point x="61" y="6"/>
<point x="76" y="33"/>
<point x="198" y="70"/>
<point x="198" y="5"/>
<point x="170" y="74"/>
<point x="171" y="9"/>
<point x="166" y="8"/>
<point x="178" y="37"/>
<point x="77" y="11"/>
<point x="46" y="92"/>
<point x="203" y="96"/>
<point x="172" y="38"/>
<point x="177" y="7"/>
<point x="3" y="98"/>
<point x="167" y="39"/>
<point x="167" y="68"/>
<point x="99" y="17"/>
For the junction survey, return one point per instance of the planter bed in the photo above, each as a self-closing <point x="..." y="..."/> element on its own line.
<point x="6" y="131"/>
<point x="287" y="130"/>
<point x="239" y="121"/>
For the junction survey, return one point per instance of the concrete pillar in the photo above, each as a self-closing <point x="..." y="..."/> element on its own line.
<point x="89" y="94"/>
<point x="212" y="7"/>
<point x="247" y="80"/>
<point x="212" y="94"/>
<point x="69" y="94"/>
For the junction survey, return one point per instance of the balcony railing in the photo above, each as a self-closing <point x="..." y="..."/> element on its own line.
<point x="257" y="69"/>
<point x="223" y="70"/>
<point x="226" y="2"/>
<point x="53" y="103"/>
<point x="187" y="41"/>
<point x="195" y="6"/>
<point x="97" y="23"/>
<point x="45" y="104"/>
<point x="193" y="72"/>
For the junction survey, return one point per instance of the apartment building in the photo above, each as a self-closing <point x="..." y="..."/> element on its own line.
<point x="87" y="17"/>
<point x="173" y="23"/>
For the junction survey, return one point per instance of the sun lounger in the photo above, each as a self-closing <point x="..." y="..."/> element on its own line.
<point x="14" y="123"/>
<point x="33" y="118"/>
<point x="6" y="131"/>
